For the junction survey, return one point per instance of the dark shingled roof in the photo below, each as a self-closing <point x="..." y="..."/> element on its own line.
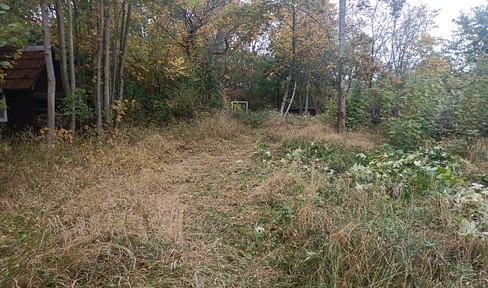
<point x="25" y="70"/>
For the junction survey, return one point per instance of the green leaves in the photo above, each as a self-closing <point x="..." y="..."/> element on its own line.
<point x="472" y="36"/>
<point x="15" y="25"/>
<point x="10" y="28"/>
<point x="4" y="8"/>
<point x="472" y="204"/>
<point x="425" y="171"/>
<point x="83" y="111"/>
<point x="248" y="255"/>
<point x="4" y="64"/>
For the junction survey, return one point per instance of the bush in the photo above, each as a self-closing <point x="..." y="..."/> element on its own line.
<point x="83" y="112"/>
<point x="357" y="107"/>
<point x="421" y="107"/>
<point x="182" y="98"/>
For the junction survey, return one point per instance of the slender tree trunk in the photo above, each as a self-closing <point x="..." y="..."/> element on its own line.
<point x="294" y="55"/>
<point x="119" y="26"/>
<point x="124" y="52"/>
<point x="393" y="46"/>
<point x="291" y="100"/>
<point x="62" y="48"/>
<point x="341" y="95"/>
<point x="123" y="47"/>
<point x="294" y="43"/>
<point x="278" y="97"/>
<point x="307" y="92"/>
<point x="72" y="67"/>
<point x="315" y="101"/>
<point x="51" y="78"/>
<point x="300" y="102"/>
<point x="293" y="69"/>
<point x="373" y="48"/>
<point x="77" y="32"/>
<point x="285" y="98"/>
<point x="99" y="71"/>
<point x="106" y="65"/>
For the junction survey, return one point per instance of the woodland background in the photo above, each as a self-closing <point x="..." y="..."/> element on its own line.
<point x="162" y="61"/>
<point x="153" y="182"/>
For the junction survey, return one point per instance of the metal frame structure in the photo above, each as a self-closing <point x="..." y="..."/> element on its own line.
<point x="240" y="102"/>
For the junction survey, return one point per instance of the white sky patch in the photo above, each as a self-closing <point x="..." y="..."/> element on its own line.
<point x="448" y="10"/>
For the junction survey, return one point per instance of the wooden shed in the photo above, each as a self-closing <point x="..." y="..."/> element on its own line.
<point x="24" y="87"/>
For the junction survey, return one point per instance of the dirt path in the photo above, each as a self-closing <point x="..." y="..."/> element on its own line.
<point x="219" y="215"/>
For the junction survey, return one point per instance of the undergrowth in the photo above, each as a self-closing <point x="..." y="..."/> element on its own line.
<point x="235" y="201"/>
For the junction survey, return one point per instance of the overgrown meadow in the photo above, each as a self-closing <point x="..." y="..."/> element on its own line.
<point x="234" y="201"/>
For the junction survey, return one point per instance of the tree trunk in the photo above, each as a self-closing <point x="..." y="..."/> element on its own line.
<point x="124" y="52"/>
<point x="62" y="48"/>
<point x="341" y="95"/>
<point x="316" y="102"/>
<point x="106" y="65"/>
<point x="80" y="64"/>
<point x="291" y="100"/>
<point x="119" y="26"/>
<point x="123" y="48"/>
<point x="51" y="78"/>
<point x="285" y="98"/>
<point x="72" y="67"/>
<point x="307" y="92"/>
<point x="294" y="42"/>
<point x="99" y="71"/>
<point x="300" y="102"/>
<point x="293" y="69"/>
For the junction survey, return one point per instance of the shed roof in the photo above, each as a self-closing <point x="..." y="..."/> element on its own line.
<point x="25" y="70"/>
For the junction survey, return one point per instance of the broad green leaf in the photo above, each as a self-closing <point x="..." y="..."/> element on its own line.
<point x="15" y="25"/>
<point x="248" y="255"/>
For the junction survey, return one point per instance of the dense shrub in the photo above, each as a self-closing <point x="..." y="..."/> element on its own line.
<point x="181" y="98"/>
<point x="430" y="103"/>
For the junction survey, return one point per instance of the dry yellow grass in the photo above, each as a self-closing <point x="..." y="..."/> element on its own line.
<point x="94" y="213"/>
<point x="315" y="130"/>
<point x="177" y="207"/>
